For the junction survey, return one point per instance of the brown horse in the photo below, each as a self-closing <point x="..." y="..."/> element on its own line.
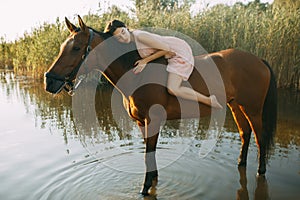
<point x="248" y="82"/>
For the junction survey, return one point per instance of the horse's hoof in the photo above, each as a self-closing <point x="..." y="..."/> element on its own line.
<point x="242" y="164"/>
<point x="261" y="170"/>
<point x="261" y="177"/>
<point x="261" y="173"/>
<point x="258" y="176"/>
<point x="144" y="193"/>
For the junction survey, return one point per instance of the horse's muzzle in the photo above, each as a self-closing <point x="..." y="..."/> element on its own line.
<point x="53" y="85"/>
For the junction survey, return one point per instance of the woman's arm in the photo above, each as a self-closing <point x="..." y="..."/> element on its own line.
<point x="152" y="40"/>
<point x="156" y="55"/>
<point x="141" y="64"/>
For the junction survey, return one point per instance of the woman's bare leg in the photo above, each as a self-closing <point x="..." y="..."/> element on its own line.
<point x="175" y="88"/>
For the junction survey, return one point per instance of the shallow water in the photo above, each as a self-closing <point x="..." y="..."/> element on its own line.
<point x="46" y="154"/>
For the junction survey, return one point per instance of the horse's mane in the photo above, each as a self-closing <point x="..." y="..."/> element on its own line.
<point x="102" y="34"/>
<point x="128" y="59"/>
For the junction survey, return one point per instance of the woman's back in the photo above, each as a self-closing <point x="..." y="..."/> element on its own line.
<point x="182" y="63"/>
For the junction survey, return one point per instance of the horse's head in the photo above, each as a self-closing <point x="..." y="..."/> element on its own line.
<point x="73" y="51"/>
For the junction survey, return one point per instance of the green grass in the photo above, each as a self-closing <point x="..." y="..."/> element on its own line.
<point x="270" y="32"/>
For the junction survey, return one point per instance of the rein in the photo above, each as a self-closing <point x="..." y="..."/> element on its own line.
<point x="68" y="84"/>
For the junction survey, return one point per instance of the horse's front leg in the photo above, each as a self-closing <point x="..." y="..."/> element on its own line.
<point x="150" y="133"/>
<point x="151" y="176"/>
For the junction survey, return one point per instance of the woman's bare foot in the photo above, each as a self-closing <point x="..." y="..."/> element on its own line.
<point x="214" y="102"/>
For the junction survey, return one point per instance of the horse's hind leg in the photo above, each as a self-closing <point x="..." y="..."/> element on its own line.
<point x="255" y="120"/>
<point x="244" y="130"/>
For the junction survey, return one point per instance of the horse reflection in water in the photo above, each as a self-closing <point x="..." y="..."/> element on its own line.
<point x="249" y="86"/>
<point x="261" y="190"/>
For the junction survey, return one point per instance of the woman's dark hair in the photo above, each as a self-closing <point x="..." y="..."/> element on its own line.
<point x="113" y="25"/>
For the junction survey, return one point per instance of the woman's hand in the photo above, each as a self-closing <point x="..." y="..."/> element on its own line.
<point x="139" y="66"/>
<point x="170" y="54"/>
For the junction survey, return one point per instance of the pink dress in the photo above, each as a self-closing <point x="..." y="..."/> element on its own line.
<point x="182" y="63"/>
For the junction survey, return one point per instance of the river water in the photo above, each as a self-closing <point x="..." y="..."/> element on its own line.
<point x="46" y="154"/>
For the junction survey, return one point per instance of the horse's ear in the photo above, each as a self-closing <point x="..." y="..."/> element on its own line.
<point x="70" y="26"/>
<point x="82" y="24"/>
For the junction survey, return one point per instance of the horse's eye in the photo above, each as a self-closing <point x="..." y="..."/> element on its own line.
<point x="76" y="48"/>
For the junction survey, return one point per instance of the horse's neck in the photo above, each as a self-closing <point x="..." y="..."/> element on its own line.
<point x="115" y="61"/>
<point x="119" y="74"/>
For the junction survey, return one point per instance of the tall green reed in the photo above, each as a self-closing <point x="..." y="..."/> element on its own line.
<point x="270" y="32"/>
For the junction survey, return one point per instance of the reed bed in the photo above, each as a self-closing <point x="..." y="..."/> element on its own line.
<point x="270" y="32"/>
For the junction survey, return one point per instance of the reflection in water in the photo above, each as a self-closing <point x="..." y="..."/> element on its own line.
<point x="261" y="190"/>
<point x="288" y="130"/>
<point x="49" y="111"/>
<point x="192" y="178"/>
<point x="56" y="112"/>
<point x="242" y="193"/>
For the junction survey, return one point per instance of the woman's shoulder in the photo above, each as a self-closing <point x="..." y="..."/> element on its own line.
<point x="141" y="34"/>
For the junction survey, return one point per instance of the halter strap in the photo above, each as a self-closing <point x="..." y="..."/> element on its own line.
<point x="87" y="51"/>
<point x="68" y="79"/>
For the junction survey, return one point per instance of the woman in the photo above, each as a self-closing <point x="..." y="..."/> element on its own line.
<point x="179" y="54"/>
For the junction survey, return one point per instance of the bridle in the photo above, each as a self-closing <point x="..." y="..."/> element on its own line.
<point x="67" y="81"/>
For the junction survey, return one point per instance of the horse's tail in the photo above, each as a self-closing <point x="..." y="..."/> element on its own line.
<point x="269" y="116"/>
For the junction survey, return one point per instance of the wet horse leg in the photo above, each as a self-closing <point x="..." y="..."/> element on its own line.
<point x="150" y="133"/>
<point x="258" y="130"/>
<point x="151" y="167"/>
<point x="244" y="130"/>
<point x="255" y="120"/>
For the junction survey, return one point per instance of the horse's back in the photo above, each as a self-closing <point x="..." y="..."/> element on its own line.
<point x="250" y="77"/>
<point x="242" y="75"/>
<point x="229" y="74"/>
